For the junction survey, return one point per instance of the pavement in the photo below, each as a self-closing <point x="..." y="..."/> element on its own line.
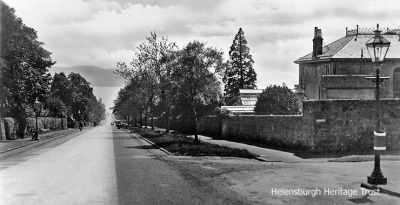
<point x="9" y="145"/>
<point x="267" y="155"/>
<point x="79" y="171"/>
<point x="102" y="165"/>
<point x="105" y="165"/>
<point x="315" y="172"/>
<point x="271" y="155"/>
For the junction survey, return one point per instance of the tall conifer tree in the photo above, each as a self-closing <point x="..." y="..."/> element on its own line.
<point x="239" y="73"/>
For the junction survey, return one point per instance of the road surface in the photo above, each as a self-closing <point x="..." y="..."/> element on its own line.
<point x="102" y="165"/>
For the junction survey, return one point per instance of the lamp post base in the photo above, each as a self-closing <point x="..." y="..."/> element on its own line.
<point x="377" y="180"/>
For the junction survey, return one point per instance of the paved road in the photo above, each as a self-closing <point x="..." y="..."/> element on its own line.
<point x="101" y="166"/>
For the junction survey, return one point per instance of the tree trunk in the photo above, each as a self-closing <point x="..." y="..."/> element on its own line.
<point x="145" y="120"/>
<point x="167" y="114"/>
<point x="1" y="129"/>
<point x="152" y="116"/>
<point x="196" y="137"/>
<point x="152" y="122"/>
<point x="21" y="127"/>
<point x="140" y="121"/>
<point x="241" y="63"/>
<point x="220" y="127"/>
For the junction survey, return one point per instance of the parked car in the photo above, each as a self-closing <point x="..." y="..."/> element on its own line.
<point x="123" y="124"/>
<point x="118" y="124"/>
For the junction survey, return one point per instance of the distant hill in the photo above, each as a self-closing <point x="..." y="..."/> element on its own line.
<point x="97" y="76"/>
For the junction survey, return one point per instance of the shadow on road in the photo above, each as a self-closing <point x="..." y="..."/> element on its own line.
<point x="361" y="200"/>
<point x="142" y="147"/>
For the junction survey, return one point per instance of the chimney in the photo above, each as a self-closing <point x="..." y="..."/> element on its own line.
<point x="317" y="42"/>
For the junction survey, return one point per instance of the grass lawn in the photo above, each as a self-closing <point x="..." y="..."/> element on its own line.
<point x="179" y="144"/>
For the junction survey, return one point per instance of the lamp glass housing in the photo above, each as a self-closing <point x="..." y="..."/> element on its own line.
<point x="377" y="47"/>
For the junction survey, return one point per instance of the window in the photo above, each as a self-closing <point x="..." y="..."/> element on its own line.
<point x="328" y="69"/>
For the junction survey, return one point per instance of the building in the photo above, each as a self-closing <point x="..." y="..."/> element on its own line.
<point x="248" y="97"/>
<point x="338" y="70"/>
<point x="246" y="101"/>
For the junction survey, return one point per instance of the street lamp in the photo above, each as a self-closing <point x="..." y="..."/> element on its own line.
<point x="80" y="120"/>
<point x="378" y="47"/>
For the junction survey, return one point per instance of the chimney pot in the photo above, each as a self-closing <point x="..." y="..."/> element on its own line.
<point x="317" y="42"/>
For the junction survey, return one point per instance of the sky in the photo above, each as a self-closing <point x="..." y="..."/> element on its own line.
<point x="103" y="32"/>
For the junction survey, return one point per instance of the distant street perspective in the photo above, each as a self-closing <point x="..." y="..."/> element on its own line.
<point x="103" y="165"/>
<point x="199" y="102"/>
<point x="107" y="165"/>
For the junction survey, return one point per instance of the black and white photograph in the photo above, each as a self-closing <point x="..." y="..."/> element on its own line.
<point x="147" y="102"/>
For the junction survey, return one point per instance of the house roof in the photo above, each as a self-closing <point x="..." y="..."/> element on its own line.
<point x="351" y="47"/>
<point x="250" y="91"/>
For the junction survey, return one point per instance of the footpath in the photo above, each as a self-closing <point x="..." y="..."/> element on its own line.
<point x="10" y="145"/>
<point x="271" y="155"/>
<point x="264" y="154"/>
<point x="319" y="171"/>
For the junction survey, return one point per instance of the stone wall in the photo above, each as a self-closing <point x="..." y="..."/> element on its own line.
<point x="210" y="126"/>
<point x="325" y="126"/>
<point x="348" y="125"/>
<point x="274" y="130"/>
<point x="277" y="130"/>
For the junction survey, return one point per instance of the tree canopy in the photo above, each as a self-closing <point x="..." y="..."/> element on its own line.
<point x="277" y="100"/>
<point x="239" y="73"/>
<point x="162" y="79"/>
<point x="24" y="67"/>
<point x="72" y="96"/>
<point x="27" y="88"/>
<point x="195" y="75"/>
<point x="151" y="69"/>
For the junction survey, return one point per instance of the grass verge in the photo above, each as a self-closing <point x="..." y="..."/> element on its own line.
<point x="179" y="144"/>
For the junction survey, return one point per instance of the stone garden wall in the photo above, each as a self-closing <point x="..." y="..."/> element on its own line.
<point x="284" y="131"/>
<point x="346" y="125"/>
<point x="325" y="126"/>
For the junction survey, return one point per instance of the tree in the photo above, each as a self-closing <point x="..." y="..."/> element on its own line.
<point x="168" y="86"/>
<point x="24" y="67"/>
<point x="97" y="111"/>
<point x="239" y="73"/>
<point x="195" y="76"/>
<point x="152" y="68"/>
<point x="59" y="102"/>
<point x="82" y="97"/>
<point x="277" y="100"/>
<point x="130" y="101"/>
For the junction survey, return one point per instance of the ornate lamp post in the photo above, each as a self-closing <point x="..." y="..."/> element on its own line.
<point x="80" y="120"/>
<point x="378" y="47"/>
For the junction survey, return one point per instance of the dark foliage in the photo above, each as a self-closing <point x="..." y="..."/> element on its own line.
<point x="277" y="100"/>
<point x="239" y="73"/>
<point x="24" y="67"/>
